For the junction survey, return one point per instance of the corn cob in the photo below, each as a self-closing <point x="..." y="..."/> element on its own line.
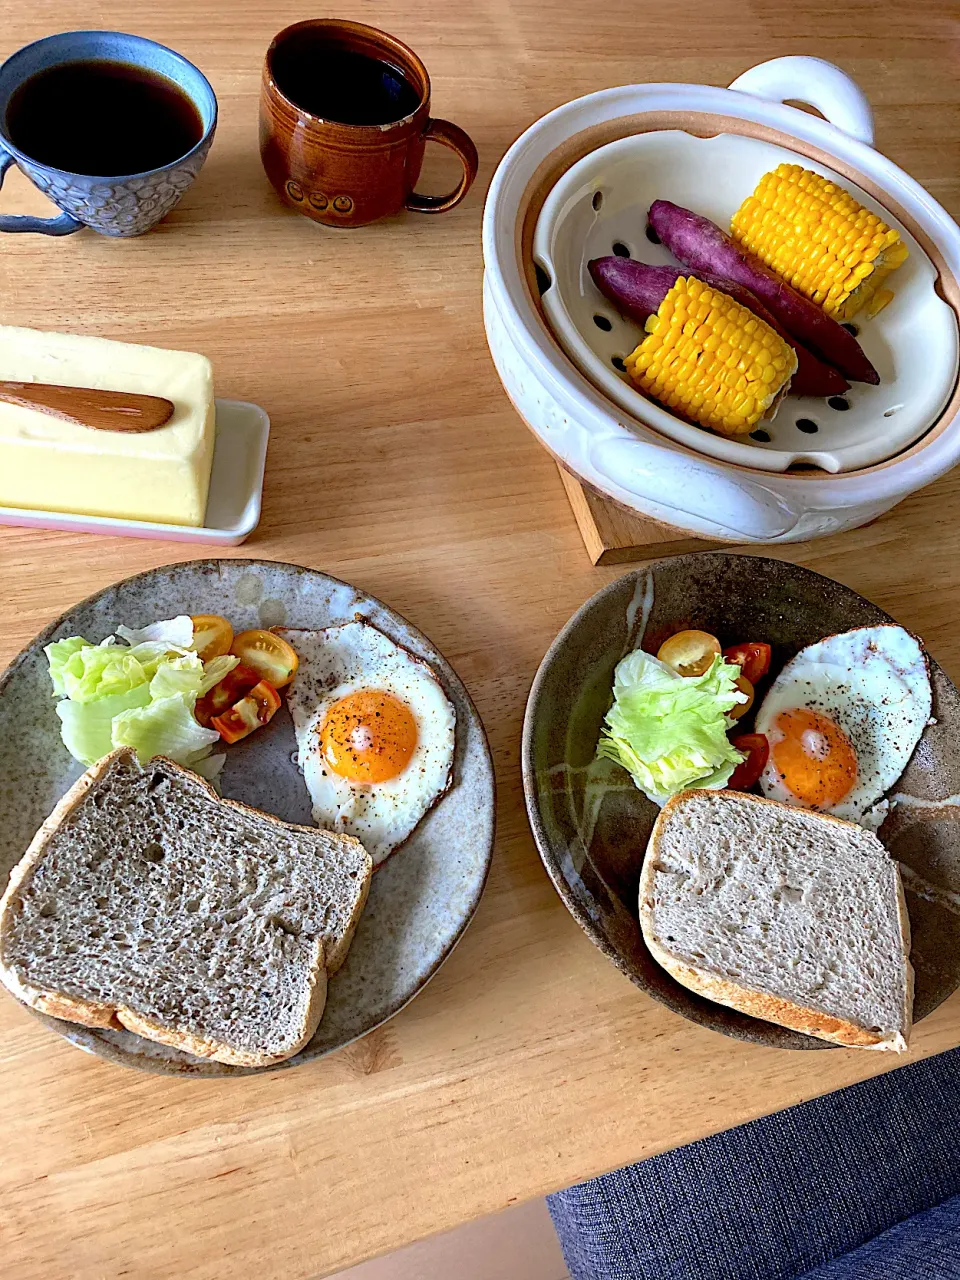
<point x="700" y="245"/>
<point x="709" y="359"/>
<point x="818" y="238"/>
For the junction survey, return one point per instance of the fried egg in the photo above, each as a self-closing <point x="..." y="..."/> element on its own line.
<point x="842" y="719"/>
<point x="375" y="733"/>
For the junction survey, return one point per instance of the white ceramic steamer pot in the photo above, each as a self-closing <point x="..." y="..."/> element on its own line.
<point x="617" y="454"/>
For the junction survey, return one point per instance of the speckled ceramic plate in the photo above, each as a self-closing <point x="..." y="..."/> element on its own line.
<point x="591" y="824"/>
<point x="421" y="899"/>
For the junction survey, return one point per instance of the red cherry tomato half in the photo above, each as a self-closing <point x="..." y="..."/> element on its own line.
<point x="223" y="695"/>
<point x="756" y="749"/>
<point x="253" y="710"/>
<point x="753" y="659"/>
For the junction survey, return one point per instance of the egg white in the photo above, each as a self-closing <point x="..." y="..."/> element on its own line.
<point x="872" y="682"/>
<point x="344" y="659"/>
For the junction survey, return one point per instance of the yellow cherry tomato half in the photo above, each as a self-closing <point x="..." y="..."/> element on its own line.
<point x="741" y="709"/>
<point x="268" y="654"/>
<point x="689" y="653"/>
<point x="212" y="635"/>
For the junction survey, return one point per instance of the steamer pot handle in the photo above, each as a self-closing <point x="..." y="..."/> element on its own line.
<point x="741" y="508"/>
<point x="817" y="82"/>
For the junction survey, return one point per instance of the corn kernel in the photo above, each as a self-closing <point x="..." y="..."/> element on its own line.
<point x="881" y="299"/>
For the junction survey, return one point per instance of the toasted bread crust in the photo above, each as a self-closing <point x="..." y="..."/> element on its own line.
<point x="759" y="1004"/>
<point x="217" y="1050"/>
<point x="93" y="1013"/>
<point x="89" y="1013"/>
<point x="339" y="953"/>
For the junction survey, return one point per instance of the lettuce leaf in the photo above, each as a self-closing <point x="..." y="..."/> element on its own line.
<point x="215" y="670"/>
<point x="670" y="731"/>
<point x="140" y="694"/>
<point x="209" y="767"/>
<point x="177" y="632"/>
<point x="58" y="654"/>
<point x="86" y="727"/>
<point x="164" y="727"/>
<point x="178" y="675"/>
<point x="102" y="670"/>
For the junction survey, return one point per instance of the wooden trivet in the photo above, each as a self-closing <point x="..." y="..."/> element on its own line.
<point x="614" y="535"/>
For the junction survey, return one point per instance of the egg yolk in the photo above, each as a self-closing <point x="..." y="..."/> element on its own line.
<point x="814" y="757"/>
<point x="368" y="736"/>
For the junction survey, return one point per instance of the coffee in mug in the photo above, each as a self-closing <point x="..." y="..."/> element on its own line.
<point x="112" y="127"/>
<point x="103" y="118"/>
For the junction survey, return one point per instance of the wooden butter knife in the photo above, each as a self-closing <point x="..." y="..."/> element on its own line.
<point x="102" y="410"/>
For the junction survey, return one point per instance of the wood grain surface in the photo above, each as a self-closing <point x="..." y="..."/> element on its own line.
<point x="396" y="462"/>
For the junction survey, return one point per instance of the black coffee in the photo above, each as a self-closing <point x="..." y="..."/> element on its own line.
<point x="345" y="87"/>
<point x="102" y="118"/>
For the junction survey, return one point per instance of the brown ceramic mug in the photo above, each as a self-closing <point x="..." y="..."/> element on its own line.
<point x="344" y="120"/>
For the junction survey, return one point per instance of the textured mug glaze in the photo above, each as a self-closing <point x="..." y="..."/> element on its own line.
<point x="346" y="175"/>
<point x="127" y="205"/>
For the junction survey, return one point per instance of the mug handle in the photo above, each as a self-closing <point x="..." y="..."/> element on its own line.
<point x="452" y="136"/>
<point x="64" y="225"/>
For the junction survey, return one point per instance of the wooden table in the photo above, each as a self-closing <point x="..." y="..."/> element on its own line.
<point x="396" y="462"/>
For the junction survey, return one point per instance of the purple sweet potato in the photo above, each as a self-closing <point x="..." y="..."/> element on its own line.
<point x="634" y="288"/>
<point x="700" y="244"/>
<point x="637" y="290"/>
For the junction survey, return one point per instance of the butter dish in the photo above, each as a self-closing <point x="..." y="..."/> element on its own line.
<point x="233" y="502"/>
<point x="49" y="463"/>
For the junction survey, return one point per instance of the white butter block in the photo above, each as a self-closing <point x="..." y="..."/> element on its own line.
<point x="51" y="465"/>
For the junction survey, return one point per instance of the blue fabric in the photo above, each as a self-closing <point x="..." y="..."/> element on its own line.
<point x="928" y="1244"/>
<point x="782" y="1196"/>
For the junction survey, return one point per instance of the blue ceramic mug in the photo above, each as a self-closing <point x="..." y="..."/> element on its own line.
<point x="124" y="205"/>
